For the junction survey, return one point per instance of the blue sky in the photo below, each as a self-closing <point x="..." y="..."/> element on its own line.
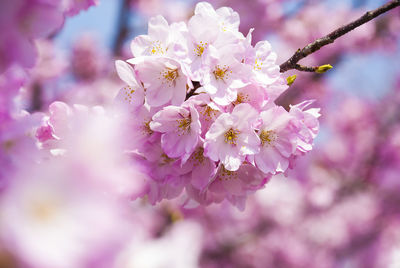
<point x="101" y="21"/>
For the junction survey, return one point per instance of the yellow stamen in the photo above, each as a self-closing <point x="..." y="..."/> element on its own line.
<point x="221" y="73"/>
<point x="198" y="156"/>
<point x="8" y="144"/>
<point x="157" y="48"/>
<point x="241" y="98"/>
<point x="231" y="136"/>
<point x="169" y="75"/>
<point x="146" y="128"/>
<point x="128" y="91"/>
<point x="268" y="137"/>
<point x="165" y="160"/>
<point x="184" y="125"/>
<point x="199" y="49"/>
<point x="225" y="174"/>
<point x="43" y="210"/>
<point x="209" y="113"/>
<point x="258" y="64"/>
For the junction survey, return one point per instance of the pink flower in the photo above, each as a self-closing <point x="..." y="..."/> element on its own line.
<point x="278" y="140"/>
<point x="11" y="82"/>
<point x="162" y="39"/>
<point x="138" y="127"/>
<point x="60" y="114"/>
<point x="165" y="173"/>
<point x="265" y="69"/>
<point x="180" y="127"/>
<point x="73" y="7"/>
<point x="22" y="21"/>
<point x="235" y="185"/>
<point x="208" y="110"/>
<point x="47" y="210"/>
<point x="45" y="133"/>
<point x="166" y="251"/>
<point x="209" y="27"/>
<point x="227" y="19"/>
<point x="88" y="61"/>
<point x="17" y="143"/>
<point x="231" y="137"/>
<point x="253" y="95"/>
<point x="202" y="169"/>
<point x="131" y="95"/>
<point x="307" y="124"/>
<point x="223" y="74"/>
<point x="164" y="79"/>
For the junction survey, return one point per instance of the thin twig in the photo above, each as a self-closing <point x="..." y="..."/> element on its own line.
<point x="305" y="68"/>
<point x="292" y="63"/>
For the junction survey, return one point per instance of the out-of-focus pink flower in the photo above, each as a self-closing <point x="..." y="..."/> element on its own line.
<point x="73" y="7"/>
<point x="22" y="21"/>
<point x="184" y="236"/>
<point x="88" y="60"/>
<point x="10" y="84"/>
<point x="47" y="209"/>
<point x="171" y="9"/>
<point x="51" y="61"/>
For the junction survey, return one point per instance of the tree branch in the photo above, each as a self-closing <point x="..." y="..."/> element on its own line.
<point x="192" y="92"/>
<point x="292" y="63"/>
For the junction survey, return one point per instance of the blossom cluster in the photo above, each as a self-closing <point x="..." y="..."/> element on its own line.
<point x="24" y="21"/>
<point x="200" y="99"/>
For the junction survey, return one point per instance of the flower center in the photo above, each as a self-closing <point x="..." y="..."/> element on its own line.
<point x="209" y="113"/>
<point x="199" y="49"/>
<point x="165" y="160"/>
<point x="184" y="124"/>
<point x="258" y="64"/>
<point x="231" y="136"/>
<point x="157" y="48"/>
<point x="8" y="144"/>
<point x="128" y="90"/>
<point x="241" y="98"/>
<point x="268" y="137"/>
<point x="198" y="156"/>
<point x="170" y="75"/>
<point x="43" y="210"/>
<point x="146" y="128"/>
<point x="226" y="175"/>
<point x="221" y="73"/>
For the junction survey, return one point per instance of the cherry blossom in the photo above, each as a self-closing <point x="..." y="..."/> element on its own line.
<point x="231" y="137"/>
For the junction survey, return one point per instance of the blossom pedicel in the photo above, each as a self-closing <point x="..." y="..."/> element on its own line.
<point x="210" y="94"/>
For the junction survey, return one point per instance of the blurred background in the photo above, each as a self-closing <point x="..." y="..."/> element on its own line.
<point x="339" y="207"/>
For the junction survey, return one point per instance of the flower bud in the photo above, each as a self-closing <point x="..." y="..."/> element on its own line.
<point x="323" y="68"/>
<point x="291" y="79"/>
